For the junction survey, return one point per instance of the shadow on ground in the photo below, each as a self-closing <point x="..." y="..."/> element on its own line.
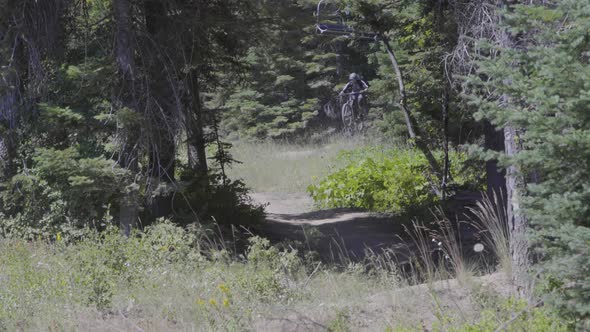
<point x="338" y="234"/>
<point x="343" y="235"/>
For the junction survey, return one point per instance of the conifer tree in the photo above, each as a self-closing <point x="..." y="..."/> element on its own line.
<point x="547" y="101"/>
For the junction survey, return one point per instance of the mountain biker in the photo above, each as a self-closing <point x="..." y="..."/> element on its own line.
<point x="357" y="87"/>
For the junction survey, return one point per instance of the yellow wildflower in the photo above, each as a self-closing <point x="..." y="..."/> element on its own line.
<point x="224" y="289"/>
<point x="226" y="303"/>
<point x="213" y="302"/>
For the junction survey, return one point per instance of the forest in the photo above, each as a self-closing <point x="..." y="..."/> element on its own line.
<point x="295" y="165"/>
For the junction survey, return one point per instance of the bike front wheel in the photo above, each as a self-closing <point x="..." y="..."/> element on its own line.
<point x="360" y="126"/>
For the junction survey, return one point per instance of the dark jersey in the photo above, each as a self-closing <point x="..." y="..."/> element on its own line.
<point x="355" y="86"/>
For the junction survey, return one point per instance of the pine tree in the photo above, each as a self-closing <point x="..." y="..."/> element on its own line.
<point x="546" y="103"/>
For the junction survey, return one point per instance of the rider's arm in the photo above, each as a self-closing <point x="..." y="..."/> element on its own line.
<point x="365" y="86"/>
<point x="345" y="88"/>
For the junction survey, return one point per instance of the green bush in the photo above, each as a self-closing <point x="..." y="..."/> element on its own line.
<point x="511" y="316"/>
<point x="271" y="268"/>
<point x="38" y="276"/>
<point x="103" y="261"/>
<point x="388" y="180"/>
<point x="61" y="193"/>
<point x="216" y="199"/>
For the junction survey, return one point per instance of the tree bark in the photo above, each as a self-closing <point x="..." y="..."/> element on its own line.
<point x="129" y="206"/>
<point x="515" y="187"/>
<point x="163" y="109"/>
<point x="410" y="122"/>
<point x="9" y="112"/>
<point x="517" y="221"/>
<point x="30" y="33"/>
<point x="8" y="103"/>
<point x="495" y="176"/>
<point x="445" y="120"/>
<point x="196" y="145"/>
<point x="123" y="36"/>
<point x="13" y="68"/>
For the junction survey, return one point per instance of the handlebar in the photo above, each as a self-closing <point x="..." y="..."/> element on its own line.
<point x="351" y="93"/>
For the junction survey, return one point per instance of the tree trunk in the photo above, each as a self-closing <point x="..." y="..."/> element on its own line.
<point x="475" y="26"/>
<point x="13" y="67"/>
<point x="411" y="123"/>
<point x="515" y="187"/>
<point x="123" y="36"/>
<point x="196" y="145"/>
<point x="7" y="140"/>
<point x="495" y="176"/>
<point x="129" y="206"/>
<point x="7" y="169"/>
<point x="30" y="33"/>
<point x="43" y="35"/>
<point x="517" y="221"/>
<point x="447" y="162"/>
<point x="9" y="104"/>
<point x="163" y="108"/>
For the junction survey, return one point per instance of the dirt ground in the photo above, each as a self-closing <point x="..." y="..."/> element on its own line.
<point x="351" y="233"/>
<point x="416" y="307"/>
<point x="346" y="235"/>
<point x="340" y="233"/>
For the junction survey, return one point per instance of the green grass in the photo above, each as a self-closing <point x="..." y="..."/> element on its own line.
<point x="169" y="279"/>
<point x="173" y="279"/>
<point x="288" y="167"/>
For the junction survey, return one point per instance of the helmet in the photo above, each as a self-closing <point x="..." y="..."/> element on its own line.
<point x="353" y="76"/>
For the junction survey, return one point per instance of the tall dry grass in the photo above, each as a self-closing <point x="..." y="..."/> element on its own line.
<point x="489" y="217"/>
<point x="170" y="280"/>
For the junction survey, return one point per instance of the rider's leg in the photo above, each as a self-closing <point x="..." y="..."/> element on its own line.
<point x="361" y="106"/>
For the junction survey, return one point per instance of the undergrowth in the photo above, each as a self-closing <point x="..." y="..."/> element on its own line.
<point x="186" y="279"/>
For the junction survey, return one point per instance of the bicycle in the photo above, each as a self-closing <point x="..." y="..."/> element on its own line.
<point x="352" y="119"/>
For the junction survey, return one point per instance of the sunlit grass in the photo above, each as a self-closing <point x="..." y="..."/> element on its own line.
<point x="46" y="287"/>
<point x="288" y="167"/>
<point x="159" y="281"/>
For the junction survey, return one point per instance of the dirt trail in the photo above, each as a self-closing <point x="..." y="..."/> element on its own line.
<point x="344" y="235"/>
<point x="339" y="233"/>
<point x="334" y="233"/>
<point x="410" y="307"/>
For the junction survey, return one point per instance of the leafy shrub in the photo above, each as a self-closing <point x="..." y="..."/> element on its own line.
<point x="340" y="323"/>
<point x="61" y="193"/>
<point x="273" y="269"/>
<point x="216" y="199"/>
<point x="511" y="315"/>
<point x="103" y="260"/>
<point x="37" y="276"/>
<point x="262" y="254"/>
<point x="387" y="180"/>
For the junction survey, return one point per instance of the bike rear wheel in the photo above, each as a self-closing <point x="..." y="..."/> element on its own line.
<point x="348" y="118"/>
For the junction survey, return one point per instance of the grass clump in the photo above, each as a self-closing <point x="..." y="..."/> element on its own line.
<point x="510" y="315"/>
<point x="489" y="217"/>
<point x="169" y="278"/>
<point x="163" y="276"/>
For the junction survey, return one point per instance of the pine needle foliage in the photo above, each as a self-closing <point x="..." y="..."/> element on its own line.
<point x="545" y="80"/>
